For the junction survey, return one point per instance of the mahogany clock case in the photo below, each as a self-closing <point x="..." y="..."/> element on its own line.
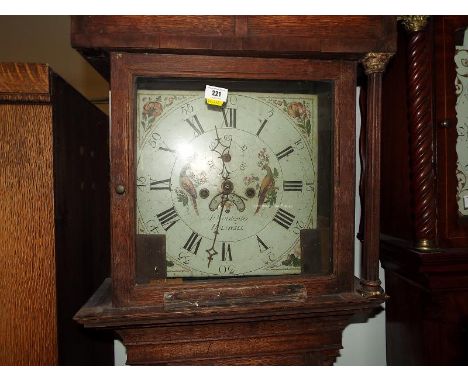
<point x="128" y="70"/>
<point x="426" y="314"/>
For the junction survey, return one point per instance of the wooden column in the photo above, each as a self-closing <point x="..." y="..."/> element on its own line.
<point x="421" y="134"/>
<point x="374" y="65"/>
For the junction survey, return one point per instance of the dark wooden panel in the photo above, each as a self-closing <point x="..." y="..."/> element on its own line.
<point x="342" y="33"/>
<point x="425" y="326"/>
<point x="263" y="36"/>
<point x="81" y="169"/>
<point x="453" y="228"/>
<point x="403" y="314"/>
<point x="301" y="334"/>
<point x="428" y="306"/>
<point x="396" y="217"/>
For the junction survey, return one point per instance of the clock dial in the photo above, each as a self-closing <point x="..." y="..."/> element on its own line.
<point x="232" y="187"/>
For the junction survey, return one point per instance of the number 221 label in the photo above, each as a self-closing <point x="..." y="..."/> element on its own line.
<point x="215" y="96"/>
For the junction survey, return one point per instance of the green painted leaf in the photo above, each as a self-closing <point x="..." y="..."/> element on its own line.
<point x="308" y="127"/>
<point x="181" y="197"/>
<point x="296" y="262"/>
<point x="292" y="261"/>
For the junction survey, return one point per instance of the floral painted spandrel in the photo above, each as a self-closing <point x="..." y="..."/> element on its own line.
<point x="461" y="108"/>
<point x="153" y="107"/>
<point x="300" y="111"/>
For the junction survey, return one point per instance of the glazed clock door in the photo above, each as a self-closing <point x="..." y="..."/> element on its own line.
<point x="247" y="193"/>
<point x="230" y="188"/>
<point x="451" y="47"/>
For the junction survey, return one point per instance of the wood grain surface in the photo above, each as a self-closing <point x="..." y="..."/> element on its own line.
<point x="54" y="235"/>
<point x="24" y="82"/>
<point x="428" y="306"/>
<point x="321" y="37"/>
<point x="285" y="330"/>
<point x="28" y="328"/>
<point x="127" y="66"/>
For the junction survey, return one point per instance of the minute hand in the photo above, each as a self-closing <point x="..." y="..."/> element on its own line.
<point x="211" y="251"/>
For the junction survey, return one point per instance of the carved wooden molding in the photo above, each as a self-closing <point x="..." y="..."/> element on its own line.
<point x="24" y="83"/>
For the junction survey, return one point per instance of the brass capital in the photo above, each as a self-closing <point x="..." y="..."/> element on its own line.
<point x="414" y="23"/>
<point x="375" y="62"/>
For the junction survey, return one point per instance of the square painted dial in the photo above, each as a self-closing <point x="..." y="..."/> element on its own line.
<point x="230" y="188"/>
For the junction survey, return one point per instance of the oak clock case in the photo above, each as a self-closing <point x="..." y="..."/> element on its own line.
<point x="232" y="191"/>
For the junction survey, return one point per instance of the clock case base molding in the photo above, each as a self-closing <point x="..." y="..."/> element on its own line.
<point x="266" y="328"/>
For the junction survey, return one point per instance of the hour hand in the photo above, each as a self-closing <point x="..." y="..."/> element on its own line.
<point x="237" y="201"/>
<point x="215" y="202"/>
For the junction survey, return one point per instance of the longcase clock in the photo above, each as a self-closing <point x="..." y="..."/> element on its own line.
<point x="424" y="224"/>
<point x="232" y="225"/>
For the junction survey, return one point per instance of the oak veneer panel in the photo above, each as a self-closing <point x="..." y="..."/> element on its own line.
<point x="243" y="47"/>
<point x="150" y="32"/>
<point x="24" y="79"/>
<point x="27" y="262"/>
<point x="54" y="218"/>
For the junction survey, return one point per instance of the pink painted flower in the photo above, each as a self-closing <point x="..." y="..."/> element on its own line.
<point x="169" y="101"/>
<point x="153" y="109"/>
<point x="297" y="110"/>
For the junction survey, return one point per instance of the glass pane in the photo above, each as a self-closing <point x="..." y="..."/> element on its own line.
<point x="242" y="190"/>
<point x="461" y="107"/>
